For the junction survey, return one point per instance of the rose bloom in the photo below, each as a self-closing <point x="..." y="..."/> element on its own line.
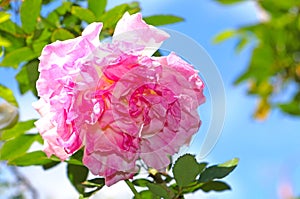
<point x="116" y="101"/>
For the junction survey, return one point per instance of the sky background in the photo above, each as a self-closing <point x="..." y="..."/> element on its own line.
<point x="268" y="150"/>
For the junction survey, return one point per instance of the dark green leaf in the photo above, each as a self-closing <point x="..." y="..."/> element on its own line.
<point x="83" y="14"/>
<point x="61" y="34"/>
<point x="77" y="175"/>
<point x="28" y="76"/>
<point x="32" y="158"/>
<point x="50" y="165"/>
<point x="97" y="7"/>
<point x="14" y="58"/>
<point x="224" y="36"/>
<point x="215" y="186"/>
<point x="159" y="190"/>
<point x="185" y="170"/>
<point x="19" y="129"/>
<point x="141" y="182"/>
<point x="8" y="95"/>
<point x="17" y="146"/>
<point x="159" y="20"/>
<point x="218" y="171"/>
<point x="30" y="10"/>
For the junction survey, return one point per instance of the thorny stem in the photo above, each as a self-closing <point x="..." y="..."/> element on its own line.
<point x="132" y="188"/>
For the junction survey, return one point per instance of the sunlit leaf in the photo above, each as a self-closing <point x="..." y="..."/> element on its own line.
<point x="4" y="42"/>
<point x="17" y="146"/>
<point x="241" y="44"/>
<point x="227" y="34"/>
<point x="14" y="58"/>
<point x="83" y="14"/>
<point x="4" y="16"/>
<point x="64" y="8"/>
<point x="8" y="95"/>
<point x="159" y="20"/>
<point x="61" y="34"/>
<point x="227" y="2"/>
<point x="112" y="16"/>
<point x="19" y="129"/>
<point x="30" y="10"/>
<point x="97" y="7"/>
<point x="32" y="158"/>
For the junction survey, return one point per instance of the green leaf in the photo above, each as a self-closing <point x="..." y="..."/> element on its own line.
<point x="11" y="28"/>
<point x="61" y="34"/>
<point x="224" y="36"/>
<point x="17" y="146"/>
<point x="146" y="194"/>
<point x="32" y="158"/>
<point x="159" y="190"/>
<point x="96" y="182"/>
<point x="50" y="165"/>
<point x="218" y="171"/>
<point x="83" y="14"/>
<point x="241" y="44"/>
<point x="19" y="129"/>
<point x="4" y="42"/>
<point x="4" y="16"/>
<point x="14" y="58"/>
<point x="112" y="16"/>
<point x="159" y="20"/>
<point x="97" y="7"/>
<point x="77" y="175"/>
<point x="292" y="108"/>
<point x="215" y="186"/>
<point x="64" y="8"/>
<point x="186" y="170"/>
<point x="8" y="95"/>
<point x="30" y="11"/>
<point x="141" y="182"/>
<point x="28" y="76"/>
<point x="227" y="2"/>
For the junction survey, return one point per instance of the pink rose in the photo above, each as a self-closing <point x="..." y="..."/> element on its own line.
<point x="117" y="101"/>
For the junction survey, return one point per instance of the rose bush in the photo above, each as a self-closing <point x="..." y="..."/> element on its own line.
<point x="115" y="100"/>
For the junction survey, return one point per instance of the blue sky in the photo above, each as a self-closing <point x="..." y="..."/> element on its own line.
<point x="268" y="150"/>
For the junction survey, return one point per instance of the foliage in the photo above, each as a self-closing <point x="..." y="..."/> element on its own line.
<point x="24" y="31"/>
<point x="274" y="67"/>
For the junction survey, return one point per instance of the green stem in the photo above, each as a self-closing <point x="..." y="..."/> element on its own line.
<point x="132" y="188"/>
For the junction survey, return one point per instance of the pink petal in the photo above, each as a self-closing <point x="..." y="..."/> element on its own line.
<point x="132" y="29"/>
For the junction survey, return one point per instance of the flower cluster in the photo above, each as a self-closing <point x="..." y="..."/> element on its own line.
<point x="116" y="100"/>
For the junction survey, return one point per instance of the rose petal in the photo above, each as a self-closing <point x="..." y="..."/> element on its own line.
<point x="132" y="29"/>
